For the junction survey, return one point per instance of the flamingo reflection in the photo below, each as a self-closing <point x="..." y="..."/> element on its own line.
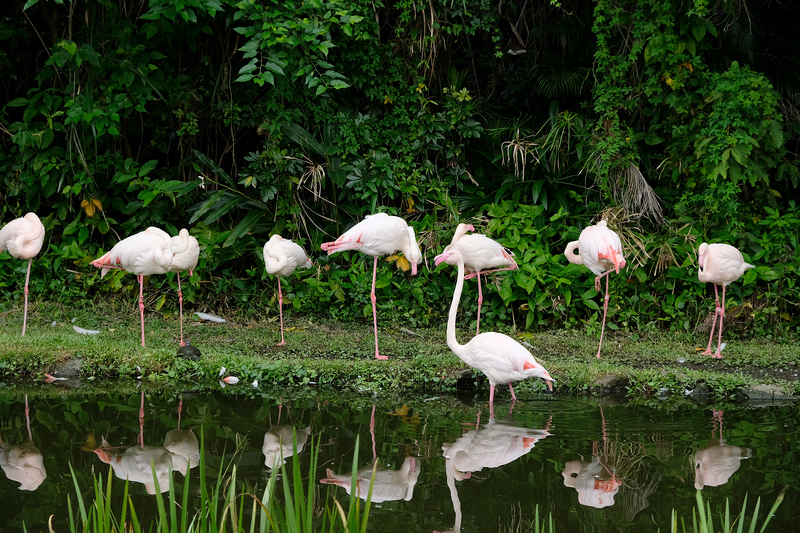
<point x="596" y="482"/>
<point x="23" y="463"/>
<point x="179" y="453"/>
<point x="389" y="485"/>
<point x="494" y="445"/>
<point x="716" y="463"/>
<point x="278" y="442"/>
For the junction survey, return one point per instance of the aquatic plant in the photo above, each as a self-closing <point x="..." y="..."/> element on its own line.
<point x="703" y="518"/>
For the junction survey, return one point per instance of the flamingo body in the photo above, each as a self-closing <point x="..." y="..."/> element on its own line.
<point x="377" y="235"/>
<point x="390" y="485"/>
<point x="600" y="250"/>
<point x="23" y="238"/>
<point x="185" y="253"/>
<point x="500" y="357"/>
<point x="282" y="257"/>
<point x="279" y="444"/>
<point x="481" y="255"/>
<point x="720" y="264"/>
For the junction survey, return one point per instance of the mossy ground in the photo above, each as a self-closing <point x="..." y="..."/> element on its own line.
<point x="326" y="354"/>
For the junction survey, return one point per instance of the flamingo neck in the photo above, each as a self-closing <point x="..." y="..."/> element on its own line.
<point x="452" y="342"/>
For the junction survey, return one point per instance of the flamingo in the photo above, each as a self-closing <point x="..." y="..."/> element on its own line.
<point x="600" y="250"/>
<point x="721" y="264"/>
<point x="482" y="255"/>
<point x="282" y="257"/>
<point x="377" y="235"/>
<point x="23" y="238"/>
<point x="144" y="254"/>
<point x="185" y="252"/>
<point x="23" y="463"/>
<point x="500" y="357"/>
<point x="717" y="462"/>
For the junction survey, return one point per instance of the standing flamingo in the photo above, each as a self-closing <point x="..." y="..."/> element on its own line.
<point x="282" y="257"/>
<point x="377" y="235"/>
<point x="23" y="238"/>
<point x="721" y="264"/>
<point x="600" y="250"/>
<point x="144" y="254"/>
<point x="482" y="255"/>
<point x="185" y="252"/>
<point x="500" y="357"/>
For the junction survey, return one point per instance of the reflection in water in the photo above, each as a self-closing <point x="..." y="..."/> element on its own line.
<point x="595" y="481"/>
<point x="278" y="444"/>
<point x="179" y="453"/>
<point x="389" y="485"/>
<point x="716" y="463"/>
<point x="497" y="444"/>
<point x="23" y="463"/>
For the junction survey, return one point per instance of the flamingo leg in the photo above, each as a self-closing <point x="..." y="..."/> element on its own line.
<point x="280" y="309"/>
<point x="374" y="310"/>
<point x="28" y="419"/>
<point x="141" y="422"/>
<point x="180" y="304"/>
<point x="491" y="401"/>
<point x="717" y="312"/>
<point x="605" y="311"/>
<point x="480" y="301"/>
<point x="511" y="390"/>
<point x="372" y="434"/>
<point x="718" y="353"/>
<point x="25" y="313"/>
<point x="141" y="303"/>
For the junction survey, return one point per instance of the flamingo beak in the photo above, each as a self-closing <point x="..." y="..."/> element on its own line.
<point x="413" y="269"/>
<point x="440" y="258"/>
<point x="617" y="259"/>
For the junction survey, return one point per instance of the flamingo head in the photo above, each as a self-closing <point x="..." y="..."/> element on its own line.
<point x="441" y="258"/>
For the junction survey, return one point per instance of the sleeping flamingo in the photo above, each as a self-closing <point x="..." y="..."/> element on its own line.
<point x="482" y="255"/>
<point x="23" y="238"/>
<point x="500" y="357"/>
<point x="377" y="235"/>
<point x="185" y="252"/>
<point x="144" y="254"/>
<point x="282" y="257"/>
<point x="721" y="264"/>
<point x="600" y="250"/>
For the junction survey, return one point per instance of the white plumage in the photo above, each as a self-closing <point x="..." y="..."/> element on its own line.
<point x="23" y="238"/>
<point x="282" y="257"/>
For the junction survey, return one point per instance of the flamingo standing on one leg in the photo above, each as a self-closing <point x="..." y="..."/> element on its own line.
<point x="185" y="252"/>
<point x="481" y="255"/>
<point x="282" y="257"/>
<point x="500" y="357"/>
<point x="144" y="254"/>
<point x="721" y="264"/>
<point x="600" y="250"/>
<point x="377" y="235"/>
<point x="23" y="238"/>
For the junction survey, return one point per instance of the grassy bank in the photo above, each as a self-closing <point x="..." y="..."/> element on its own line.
<point x="327" y="354"/>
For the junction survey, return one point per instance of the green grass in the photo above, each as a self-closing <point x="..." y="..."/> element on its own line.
<point x="329" y="354"/>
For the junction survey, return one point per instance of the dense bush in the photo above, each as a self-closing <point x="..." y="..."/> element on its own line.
<point x="530" y="120"/>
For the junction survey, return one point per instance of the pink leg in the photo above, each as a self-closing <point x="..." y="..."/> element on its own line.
<point x="374" y="310"/>
<point x="25" y="313"/>
<point x="180" y="410"/>
<point x="480" y="301"/>
<point x="372" y="433"/>
<point x="141" y="305"/>
<point x="717" y="312"/>
<point x="511" y="390"/>
<point x="180" y="304"/>
<point x="605" y="310"/>
<point x="141" y="422"/>
<point x="280" y="309"/>
<point x="491" y="401"/>
<point x="718" y="353"/>
<point x="28" y="419"/>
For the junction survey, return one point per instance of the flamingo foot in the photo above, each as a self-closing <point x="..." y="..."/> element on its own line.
<point x="282" y="343"/>
<point x="381" y="357"/>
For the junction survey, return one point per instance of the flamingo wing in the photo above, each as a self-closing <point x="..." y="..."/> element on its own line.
<point x="23" y="237"/>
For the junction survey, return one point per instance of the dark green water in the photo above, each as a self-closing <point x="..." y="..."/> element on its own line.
<point x="596" y="465"/>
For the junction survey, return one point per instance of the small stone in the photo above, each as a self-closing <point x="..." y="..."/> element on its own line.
<point x="189" y="352"/>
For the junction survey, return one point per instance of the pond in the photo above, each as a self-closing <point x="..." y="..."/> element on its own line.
<point x="443" y="464"/>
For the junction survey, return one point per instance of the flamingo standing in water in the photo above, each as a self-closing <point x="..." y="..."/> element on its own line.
<point x="144" y="254"/>
<point x="600" y="250"/>
<point x="481" y="255"/>
<point x="721" y="264"/>
<point x="500" y="357"/>
<point x="377" y="235"/>
<point x="185" y="252"/>
<point x="282" y="257"/>
<point x="23" y="238"/>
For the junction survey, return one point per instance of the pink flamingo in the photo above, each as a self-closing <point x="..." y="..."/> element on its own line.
<point x="500" y="357"/>
<point x="377" y="235"/>
<point x="721" y="264"/>
<point x="600" y="250"/>
<point x="481" y="254"/>
<point x="282" y="257"/>
<point x="185" y="253"/>
<point x="144" y="254"/>
<point x="23" y="238"/>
